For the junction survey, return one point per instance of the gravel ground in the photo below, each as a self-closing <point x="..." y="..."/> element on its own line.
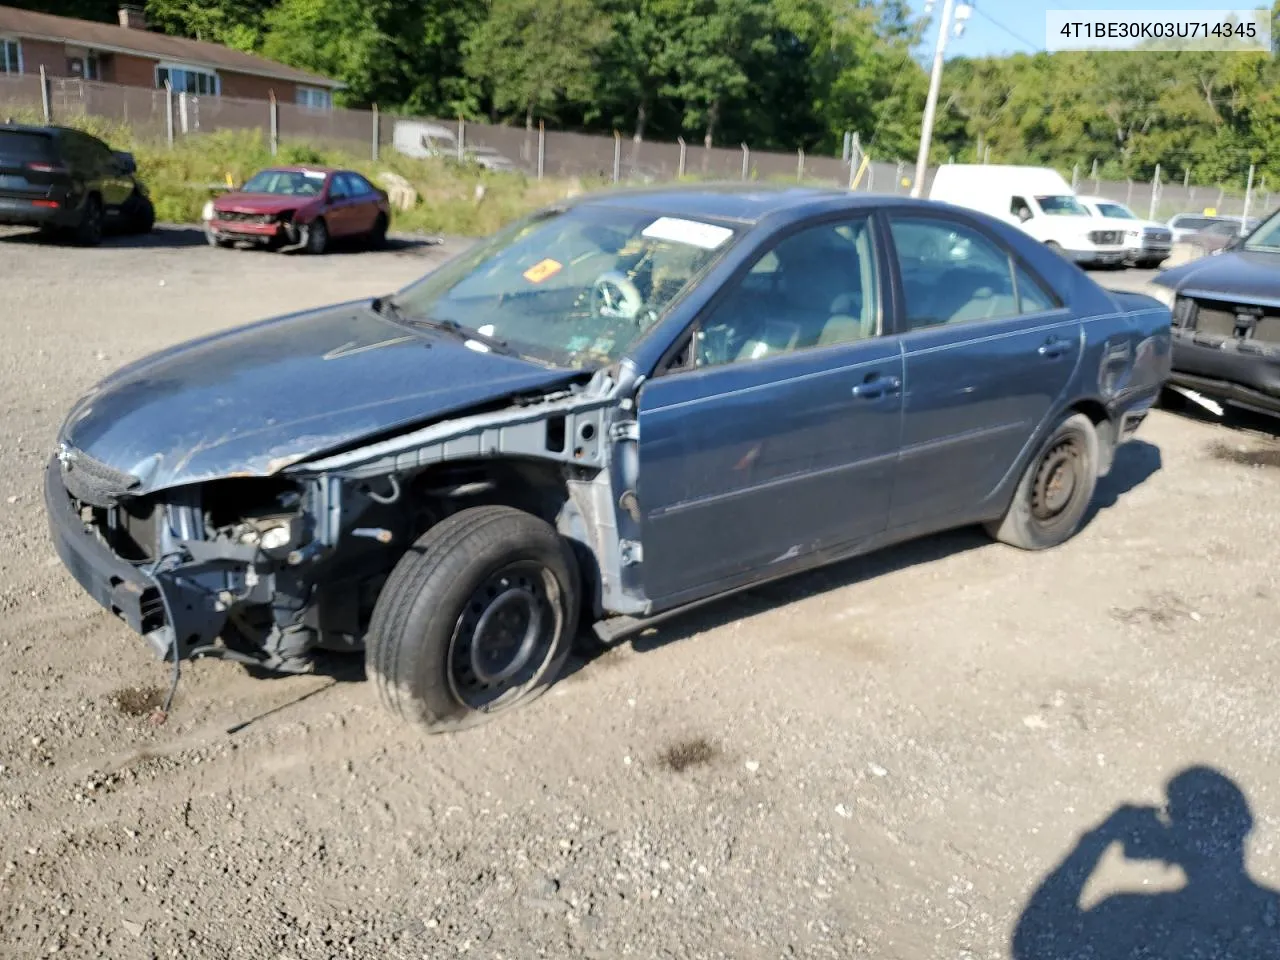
<point x="882" y="759"/>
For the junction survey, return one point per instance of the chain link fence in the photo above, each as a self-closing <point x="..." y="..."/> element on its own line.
<point x="160" y="116"/>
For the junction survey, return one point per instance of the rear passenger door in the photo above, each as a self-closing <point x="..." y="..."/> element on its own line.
<point x="364" y="203"/>
<point x="989" y="350"/>
<point x="346" y="216"/>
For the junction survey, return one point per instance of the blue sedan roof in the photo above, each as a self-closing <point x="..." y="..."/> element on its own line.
<point x="741" y="202"/>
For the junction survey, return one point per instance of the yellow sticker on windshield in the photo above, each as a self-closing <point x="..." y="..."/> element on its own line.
<point x="542" y="270"/>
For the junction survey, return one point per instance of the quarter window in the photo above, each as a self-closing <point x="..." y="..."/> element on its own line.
<point x="814" y="288"/>
<point x="10" y="56"/>
<point x="953" y="274"/>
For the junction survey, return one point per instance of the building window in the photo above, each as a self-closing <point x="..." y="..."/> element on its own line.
<point x="188" y="80"/>
<point x="315" y="98"/>
<point x="10" y="56"/>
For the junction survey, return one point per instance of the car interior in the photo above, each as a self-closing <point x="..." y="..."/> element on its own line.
<point x="951" y="276"/>
<point x="815" y="288"/>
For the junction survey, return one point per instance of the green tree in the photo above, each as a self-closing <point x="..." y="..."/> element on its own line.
<point x="530" y="55"/>
<point x="707" y="54"/>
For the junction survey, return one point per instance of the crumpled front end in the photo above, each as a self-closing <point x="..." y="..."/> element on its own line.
<point x="187" y="566"/>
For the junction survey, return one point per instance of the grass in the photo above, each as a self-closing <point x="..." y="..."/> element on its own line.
<point x="181" y="179"/>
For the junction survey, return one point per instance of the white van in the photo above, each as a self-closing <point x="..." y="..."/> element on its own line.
<point x="421" y="139"/>
<point x="1039" y="201"/>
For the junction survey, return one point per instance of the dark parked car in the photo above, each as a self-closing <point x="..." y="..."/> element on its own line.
<point x="65" y="181"/>
<point x="1226" y="320"/>
<point x="610" y="410"/>
<point x="1217" y="236"/>
<point x="300" y="207"/>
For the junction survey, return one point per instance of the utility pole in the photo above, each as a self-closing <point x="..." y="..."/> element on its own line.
<point x="935" y="83"/>
<point x="1248" y="196"/>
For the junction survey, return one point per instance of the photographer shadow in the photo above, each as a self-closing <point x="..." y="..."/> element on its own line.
<point x="1220" y="912"/>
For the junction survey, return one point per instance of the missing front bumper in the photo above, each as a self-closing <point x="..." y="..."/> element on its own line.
<point x="161" y="607"/>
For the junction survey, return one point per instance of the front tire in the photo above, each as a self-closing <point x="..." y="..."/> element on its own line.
<point x="478" y="616"/>
<point x="317" y="237"/>
<point x="1054" y="492"/>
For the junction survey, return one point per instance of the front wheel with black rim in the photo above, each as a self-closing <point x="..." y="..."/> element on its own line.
<point x="478" y="616"/>
<point x="317" y="237"/>
<point x="1054" y="492"/>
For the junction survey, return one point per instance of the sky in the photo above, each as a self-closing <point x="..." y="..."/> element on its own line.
<point x="1012" y="26"/>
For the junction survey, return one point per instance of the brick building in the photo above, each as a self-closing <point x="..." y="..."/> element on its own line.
<point x="131" y="55"/>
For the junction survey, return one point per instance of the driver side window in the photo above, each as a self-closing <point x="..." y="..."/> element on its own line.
<point x="813" y="288"/>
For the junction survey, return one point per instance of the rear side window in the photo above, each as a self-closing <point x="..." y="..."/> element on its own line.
<point x="21" y="146"/>
<point x="952" y="273"/>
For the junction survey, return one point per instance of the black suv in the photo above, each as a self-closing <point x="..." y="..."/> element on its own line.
<point x="67" y="182"/>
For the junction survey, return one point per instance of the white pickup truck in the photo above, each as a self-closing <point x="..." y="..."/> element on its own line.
<point x="1146" y="243"/>
<point x="1039" y="201"/>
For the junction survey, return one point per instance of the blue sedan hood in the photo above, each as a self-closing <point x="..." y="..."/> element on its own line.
<point x="1237" y="275"/>
<point x="253" y="400"/>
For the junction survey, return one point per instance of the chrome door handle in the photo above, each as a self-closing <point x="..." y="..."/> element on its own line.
<point x="1054" y="348"/>
<point x="876" y="386"/>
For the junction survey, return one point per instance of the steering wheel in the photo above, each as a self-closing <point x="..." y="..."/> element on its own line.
<point x="614" y="295"/>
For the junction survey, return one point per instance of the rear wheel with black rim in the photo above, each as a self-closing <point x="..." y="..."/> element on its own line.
<point x="88" y="232"/>
<point x="477" y="617"/>
<point x="1055" y="490"/>
<point x="138" y="213"/>
<point x="378" y="235"/>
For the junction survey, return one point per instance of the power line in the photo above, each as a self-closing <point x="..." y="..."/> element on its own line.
<point x="1000" y="26"/>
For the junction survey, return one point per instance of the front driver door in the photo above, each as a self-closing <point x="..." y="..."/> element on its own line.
<point x="780" y="437"/>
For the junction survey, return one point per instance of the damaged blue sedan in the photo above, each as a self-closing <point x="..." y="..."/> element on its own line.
<point x="606" y="412"/>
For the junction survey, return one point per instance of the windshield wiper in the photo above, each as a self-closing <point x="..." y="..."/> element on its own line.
<point x="466" y="333"/>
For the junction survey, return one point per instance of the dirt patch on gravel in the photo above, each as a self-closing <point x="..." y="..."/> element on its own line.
<point x="138" y="701"/>
<point x="1257" y="457"/>
<point x="684" y="754"/>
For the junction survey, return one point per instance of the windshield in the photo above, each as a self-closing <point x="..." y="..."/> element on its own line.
<point x="1064" y="206"/>
<point x="574" y="287"/>
<point x="287" y="183"/>
<point x="1117" y="211"/>
<point x="1193" y="223"/>
<point x="1266" y="238"/>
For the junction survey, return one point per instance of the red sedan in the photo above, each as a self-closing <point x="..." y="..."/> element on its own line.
<point x="299" y="208"/>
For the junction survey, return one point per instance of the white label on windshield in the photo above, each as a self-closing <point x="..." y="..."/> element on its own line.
<point x="313" y="174"/>
<point x="693" y="232"/>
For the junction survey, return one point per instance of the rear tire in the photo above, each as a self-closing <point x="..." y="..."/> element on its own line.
<point x="139" y="214"/>
<point x="88" y="233"/>
<point x="477" y="617"/>
<point x="378" y="235"/>
<point x="1055" y="490"/>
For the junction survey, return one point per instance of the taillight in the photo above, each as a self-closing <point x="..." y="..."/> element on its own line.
<point x="39" y="167"/>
